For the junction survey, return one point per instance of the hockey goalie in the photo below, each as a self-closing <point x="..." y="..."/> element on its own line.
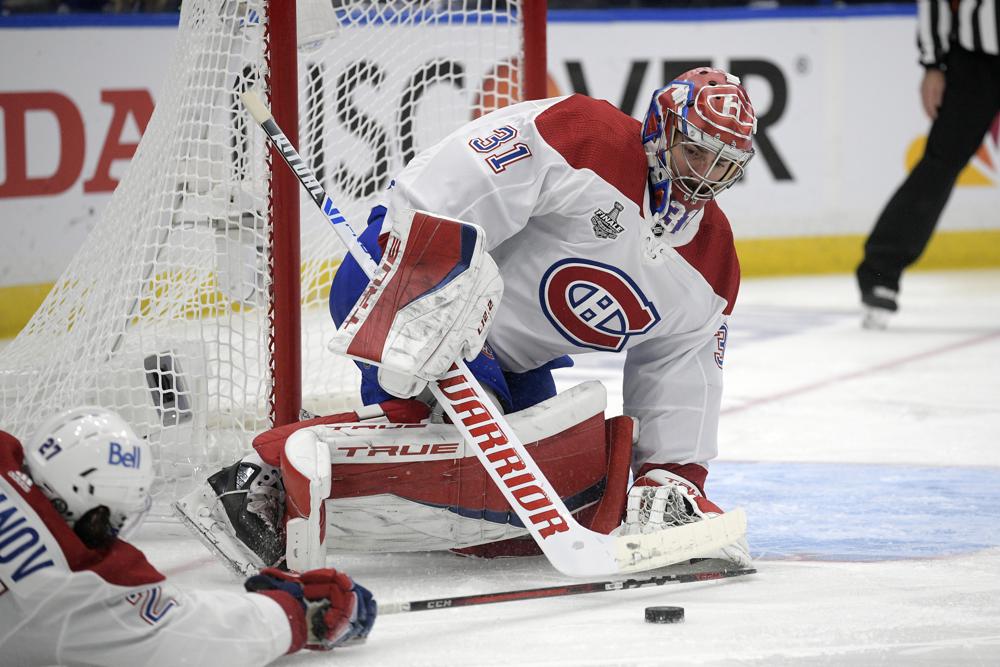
<point x="539" y="231"/>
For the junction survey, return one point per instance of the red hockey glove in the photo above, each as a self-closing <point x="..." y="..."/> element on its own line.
<point x="326" y="608"/>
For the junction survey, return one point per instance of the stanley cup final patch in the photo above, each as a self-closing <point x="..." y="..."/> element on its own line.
<point x="606" y="223"/>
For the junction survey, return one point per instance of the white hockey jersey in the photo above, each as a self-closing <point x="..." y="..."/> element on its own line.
<point x="64" y="604"/>
<point x="560" y="187"/>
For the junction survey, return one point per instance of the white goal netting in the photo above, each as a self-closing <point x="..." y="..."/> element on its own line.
<point x="165" y="313"/>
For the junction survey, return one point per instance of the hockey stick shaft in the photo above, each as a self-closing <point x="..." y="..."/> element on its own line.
<point x="557" y="591"/>
<point x="308" y="180"/>
<point x="571" y="548"/>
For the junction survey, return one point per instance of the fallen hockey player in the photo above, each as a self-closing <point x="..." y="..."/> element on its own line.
<point x="540" y="230"/>
<point x="73" y="592"/>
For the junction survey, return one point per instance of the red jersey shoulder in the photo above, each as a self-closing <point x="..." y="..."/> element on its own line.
<point x="120" y="564"/>
<point x="712" y="252"/>
<point x="593" y="134"/>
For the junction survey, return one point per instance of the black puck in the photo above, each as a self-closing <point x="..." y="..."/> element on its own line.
<point x="664" y="614"/>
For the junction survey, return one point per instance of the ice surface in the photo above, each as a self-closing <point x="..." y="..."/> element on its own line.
<point x="869" y="466"/>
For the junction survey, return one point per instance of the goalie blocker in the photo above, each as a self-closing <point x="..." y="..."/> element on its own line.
<point x="431" y="302"/>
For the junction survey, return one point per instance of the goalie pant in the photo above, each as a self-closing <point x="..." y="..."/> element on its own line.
<point x="62" y="603"/>
<point x="400" y="486"/>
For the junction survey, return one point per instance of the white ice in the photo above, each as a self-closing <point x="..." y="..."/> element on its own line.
<point x="868" y="463"/>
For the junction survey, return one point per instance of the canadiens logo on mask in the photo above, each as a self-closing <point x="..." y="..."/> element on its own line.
<point x="595" y="305"/>
<point x="698" y="139"/>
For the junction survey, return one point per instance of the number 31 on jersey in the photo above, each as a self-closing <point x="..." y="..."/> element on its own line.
<point x="498" y="156"/>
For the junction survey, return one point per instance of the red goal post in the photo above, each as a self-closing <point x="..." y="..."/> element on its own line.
<point x="197" y="306"/>
<point x="284" y="94"/>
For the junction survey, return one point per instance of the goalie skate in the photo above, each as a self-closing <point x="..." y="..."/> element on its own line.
<point x="236" y="513"/>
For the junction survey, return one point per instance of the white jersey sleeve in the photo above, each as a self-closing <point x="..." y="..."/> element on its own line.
<point x="62" y="603"/>
<point x="676" y="399"/>
<point x="673" y="384"/>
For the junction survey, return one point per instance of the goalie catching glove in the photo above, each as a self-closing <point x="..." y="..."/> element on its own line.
<point x="663" y="498"/>
<point x="325" y="608"/>
<point x="431" y="302"/>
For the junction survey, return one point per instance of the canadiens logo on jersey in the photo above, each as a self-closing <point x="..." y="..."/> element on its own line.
<point x="595" y="305"/>
<point x="606" y="223"/>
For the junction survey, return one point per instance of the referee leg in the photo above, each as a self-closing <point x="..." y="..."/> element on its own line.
<point x="971" y="101"/>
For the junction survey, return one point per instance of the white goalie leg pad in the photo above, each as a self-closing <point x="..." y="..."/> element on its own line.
<point x="419" y="487"/>
<point x="386" y="523"/>
<point x="307" y="474"/>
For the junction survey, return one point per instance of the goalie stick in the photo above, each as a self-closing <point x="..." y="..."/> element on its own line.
<point x="558" y="591"/>
<point x="570" y="548"/>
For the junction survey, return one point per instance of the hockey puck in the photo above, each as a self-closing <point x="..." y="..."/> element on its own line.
<point x="664" y="614"/>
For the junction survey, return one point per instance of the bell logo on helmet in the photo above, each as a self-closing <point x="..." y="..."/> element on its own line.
<point x="97" y="446"/>
<point x="117" y="456"/>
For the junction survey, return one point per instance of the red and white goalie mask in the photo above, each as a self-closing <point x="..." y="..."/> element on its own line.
<point x="698" y="137"/>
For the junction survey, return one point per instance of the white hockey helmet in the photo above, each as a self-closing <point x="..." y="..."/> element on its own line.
<point x="87" y="457"/>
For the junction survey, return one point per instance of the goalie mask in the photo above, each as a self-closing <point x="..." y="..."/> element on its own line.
<point x="95" y="470"/>
<point x="697" y="136"/>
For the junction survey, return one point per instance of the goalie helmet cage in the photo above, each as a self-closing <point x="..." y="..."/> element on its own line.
<point x="196" y="308"/>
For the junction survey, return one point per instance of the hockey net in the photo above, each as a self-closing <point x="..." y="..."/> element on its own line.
<point x="173" y="312"/>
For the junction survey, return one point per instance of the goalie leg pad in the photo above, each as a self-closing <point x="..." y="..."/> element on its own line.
<point x="270" y="444"/>
<point x="305" y="468"/>
<point x="420" y="489"/>
<point x="603" y="517"/>
<point x="401" y="487"/>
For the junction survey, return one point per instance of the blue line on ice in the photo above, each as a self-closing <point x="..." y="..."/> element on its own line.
<point x="861" y="512"/>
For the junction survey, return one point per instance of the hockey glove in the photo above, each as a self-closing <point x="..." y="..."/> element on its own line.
<point x="431" y="302"/>
<point x="334" y="609"/>
<point x="662" y="499"/>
